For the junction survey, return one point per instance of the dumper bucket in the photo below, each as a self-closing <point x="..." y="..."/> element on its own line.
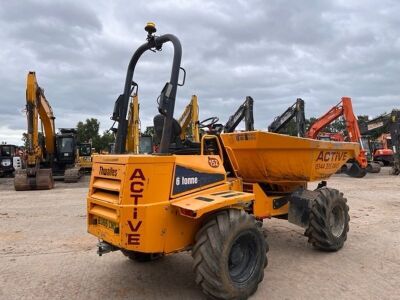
<point x="259" y="156"/>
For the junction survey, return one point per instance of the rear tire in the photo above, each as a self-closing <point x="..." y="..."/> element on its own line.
<point x="230" y="255"/>
<point x="142" y="257"/>
<point x="329" y="220"/>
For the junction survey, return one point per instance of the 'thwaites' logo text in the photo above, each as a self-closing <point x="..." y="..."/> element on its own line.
<point x="108" y="171"/>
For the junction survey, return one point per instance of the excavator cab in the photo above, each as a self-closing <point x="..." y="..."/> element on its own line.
<point x="84" y="156"/>
<point x="85" y="149"/>
<point x="146" y="144"/>
<point x="66" y="146"/>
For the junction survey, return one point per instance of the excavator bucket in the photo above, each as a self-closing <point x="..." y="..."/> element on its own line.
<point x="42" y="181"/>
<point x="354" y="170"/>
<point x="72" y="175"/>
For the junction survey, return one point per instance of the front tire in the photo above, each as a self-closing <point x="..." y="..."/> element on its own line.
<point x="230" y="255"/>
<point x="329" y="220"/>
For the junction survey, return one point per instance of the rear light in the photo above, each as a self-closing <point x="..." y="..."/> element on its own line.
<point x="188" y="213"/>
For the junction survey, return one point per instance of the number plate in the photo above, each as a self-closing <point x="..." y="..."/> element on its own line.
<point x="107" y="223"/>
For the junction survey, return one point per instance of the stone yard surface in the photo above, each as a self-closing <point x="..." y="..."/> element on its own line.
<point x="46" y="253"/>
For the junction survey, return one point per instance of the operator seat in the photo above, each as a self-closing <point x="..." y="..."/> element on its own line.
<point x="158" y="122"/>
<point x="177" y="146"/>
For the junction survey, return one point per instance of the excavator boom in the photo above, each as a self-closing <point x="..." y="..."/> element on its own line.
<point x="190" y="119"/>
<point x="34" y="176"/>
<point x="133" y="136"/>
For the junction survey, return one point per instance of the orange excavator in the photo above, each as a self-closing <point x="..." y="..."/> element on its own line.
<point x="331" y="136"/>
<point x="359" y="166"/>
<point x="392" y="123"/>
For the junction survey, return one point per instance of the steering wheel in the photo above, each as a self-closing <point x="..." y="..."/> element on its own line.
<point x="208" y="122"/>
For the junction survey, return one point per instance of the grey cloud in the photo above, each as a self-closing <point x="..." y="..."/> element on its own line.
<point x="274" y="51"/>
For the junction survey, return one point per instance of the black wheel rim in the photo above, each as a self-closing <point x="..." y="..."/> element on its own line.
<point x="243" y="257"/>
<point x="336" y="221"/>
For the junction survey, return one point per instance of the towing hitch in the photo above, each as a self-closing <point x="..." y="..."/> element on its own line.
<point x="103" y="248"/>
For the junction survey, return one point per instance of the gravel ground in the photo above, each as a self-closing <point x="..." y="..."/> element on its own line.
<point x="46" y="253"/>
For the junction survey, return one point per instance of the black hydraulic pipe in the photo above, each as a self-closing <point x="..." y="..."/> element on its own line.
<point x="249" y="119"/>
<point x="154" y="42"/>
<point x="300" y="118"/>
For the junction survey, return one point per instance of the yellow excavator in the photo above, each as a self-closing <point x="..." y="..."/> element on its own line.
<point x="189" y="121"/>
<point x="84" y="156"/>
<point x="133" y="137"/>
<point x="136" y="142"/>
<point x="53" y="154"/>
<point x="211" y="200"/>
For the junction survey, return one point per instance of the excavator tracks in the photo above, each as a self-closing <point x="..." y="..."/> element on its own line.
<point x="42" y="181"/>
<point x="373" y="167"/>
<point x="72" y="175"/>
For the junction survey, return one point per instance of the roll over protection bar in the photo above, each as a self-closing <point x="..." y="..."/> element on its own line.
<point x="167" y="97"/>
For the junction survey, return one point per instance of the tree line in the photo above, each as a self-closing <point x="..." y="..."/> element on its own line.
<point x="89" y="131"/>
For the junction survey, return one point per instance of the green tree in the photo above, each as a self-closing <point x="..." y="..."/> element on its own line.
<point x="106" y="139"/>
<point x="25" y="139"/>
<point x="290" y="128"/>
<point x="336" y="126"/>
<point x="339" y="125"/>
<point x="309" y="122"/>
<point x="149" y="130"/>
<point x="362" y="123"/>
<point x="88" y="131"/>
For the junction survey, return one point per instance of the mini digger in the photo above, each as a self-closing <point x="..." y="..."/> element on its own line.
<point x="211" y="198"/>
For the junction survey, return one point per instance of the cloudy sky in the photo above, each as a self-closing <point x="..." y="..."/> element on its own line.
<point x="274" y="51"/>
